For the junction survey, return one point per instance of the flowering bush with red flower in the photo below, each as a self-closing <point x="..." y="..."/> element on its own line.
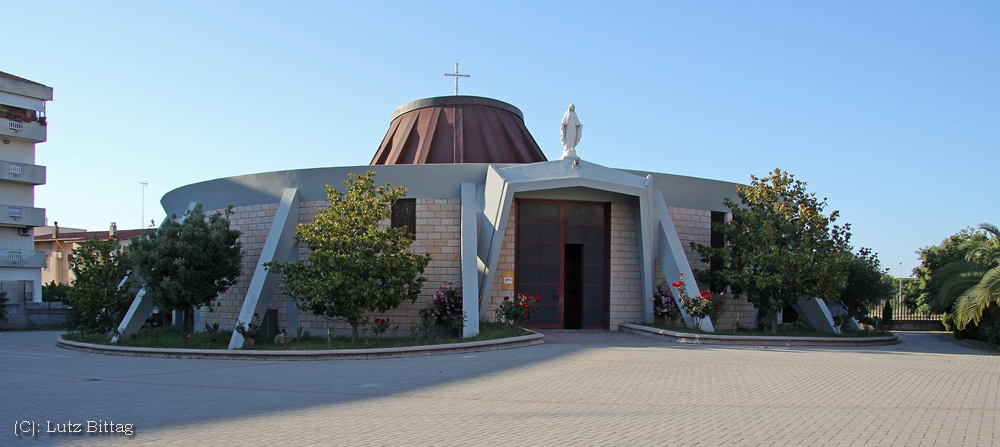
<point x="379" y="326"/>
<point x="521" y="308"/>
<point x="446" y="307"/>
<point x="699" y="307"/>
<point x="664" y="305"/>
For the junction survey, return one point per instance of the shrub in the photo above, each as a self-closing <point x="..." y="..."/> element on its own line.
<point x="887" y="315"/>
<point x="250" y="330"/>
<point x="701" y="306"/>
<point x="664" y="305"/>
<point x="3" y="307"/>
<point x="446" y="308"/>
<point x="521" y="308"/>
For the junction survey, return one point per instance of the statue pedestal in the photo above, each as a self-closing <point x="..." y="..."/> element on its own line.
<point x="569" y="154"/>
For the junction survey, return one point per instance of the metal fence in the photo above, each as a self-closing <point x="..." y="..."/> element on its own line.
<point x="900" y="312"/>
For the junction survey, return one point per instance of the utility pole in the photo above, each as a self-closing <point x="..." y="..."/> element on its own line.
<point x="900" y="283"/>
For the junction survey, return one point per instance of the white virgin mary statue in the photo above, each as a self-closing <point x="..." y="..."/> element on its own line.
<point x="570" y="133"/>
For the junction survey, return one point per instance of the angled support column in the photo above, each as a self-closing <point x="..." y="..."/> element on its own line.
<point x="141" y="308"/>
<point x="277" y="247"/>
<point x="673" y="261"/>
<point x="470" y="271"/>
<point x="497" y="198"/>
<point x="817" y="314"/>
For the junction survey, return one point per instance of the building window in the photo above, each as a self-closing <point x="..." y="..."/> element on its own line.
<point x="404" y="215"/>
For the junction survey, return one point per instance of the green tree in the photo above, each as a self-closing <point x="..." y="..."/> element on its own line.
<point x="99" y="267"/>
<point x="780" y="245"/>
<point x="354" y="267"/>
<point x="866" y="285"/>
<point x="3" y="307"/>
<point x="53" y="292"/>
<point x="944" y="263"/>
<point x="188" y="263"/>
<point x="981" y="266"/>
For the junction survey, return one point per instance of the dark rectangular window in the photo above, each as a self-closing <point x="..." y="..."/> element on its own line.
<point x="404" y="215"/>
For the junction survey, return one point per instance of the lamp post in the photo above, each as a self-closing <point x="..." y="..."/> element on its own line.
<point x="900" y="284"/>
<point x="143" y="221"/>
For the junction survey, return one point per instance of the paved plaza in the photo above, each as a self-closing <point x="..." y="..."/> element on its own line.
<point x="580" y="388"/>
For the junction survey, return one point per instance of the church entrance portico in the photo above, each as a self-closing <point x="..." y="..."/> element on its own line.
<point x="563" y="256"/>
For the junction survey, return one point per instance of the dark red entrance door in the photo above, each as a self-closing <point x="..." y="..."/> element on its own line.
<point x="563" y="257"/>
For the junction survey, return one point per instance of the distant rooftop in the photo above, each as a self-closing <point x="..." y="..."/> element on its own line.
<point x="87" y="235"/>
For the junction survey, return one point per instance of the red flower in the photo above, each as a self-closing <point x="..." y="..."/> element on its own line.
<point x="538" y="299"/>
<point x="706" y="295"/>
<point x="677" y="285"/>
<point x="506" y="298"/>
<point x="385" y="320"/>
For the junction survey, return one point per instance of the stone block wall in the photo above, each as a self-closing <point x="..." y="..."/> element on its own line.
<point x="504" y="262"/>
<point x="254" y="222"/>
<point x="626" y="282"/>
<point x="438" y="234"/>
<point x="695" y="225"/>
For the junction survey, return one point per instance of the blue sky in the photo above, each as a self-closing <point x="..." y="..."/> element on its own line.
<point x="890" y="109"/>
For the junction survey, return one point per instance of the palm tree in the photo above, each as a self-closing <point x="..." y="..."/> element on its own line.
<point x="977" y="278"/>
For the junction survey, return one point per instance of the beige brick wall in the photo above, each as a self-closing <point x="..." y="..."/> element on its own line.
<point x="505" y="262"/>
<point x="253" y="221"/>
<point x="696" y="226"/>
<point x="438" y="234"/>
<point x="692" y="226"/>
<point x="626" y="285"/>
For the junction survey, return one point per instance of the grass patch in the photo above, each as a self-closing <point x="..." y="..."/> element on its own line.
<point x="787" y="331"/>
<point x="170" y="337"/>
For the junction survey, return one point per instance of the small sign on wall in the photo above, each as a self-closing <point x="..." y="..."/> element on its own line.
<point x="508" y="279"/>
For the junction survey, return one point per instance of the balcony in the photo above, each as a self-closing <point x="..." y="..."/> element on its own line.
<point x="21" y="216"/>
<point x="22" y="173"/>
<point x="29" y="259"/>
<point x="33" y="131"/>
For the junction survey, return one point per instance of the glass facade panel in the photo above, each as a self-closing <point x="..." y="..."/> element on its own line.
<point x="567" y="279"/>
<point x="549" y="212"/>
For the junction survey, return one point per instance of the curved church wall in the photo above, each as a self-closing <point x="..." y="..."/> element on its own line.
<point x="438" y="234"/>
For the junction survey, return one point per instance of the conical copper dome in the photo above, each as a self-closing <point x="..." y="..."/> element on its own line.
<point x="457" y="129"/>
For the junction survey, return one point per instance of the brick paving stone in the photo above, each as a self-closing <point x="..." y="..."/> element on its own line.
<point x="581" y="388"/>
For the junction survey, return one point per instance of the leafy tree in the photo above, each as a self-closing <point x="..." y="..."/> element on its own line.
<point x="780" y="245"/>
<point x="53" y="292"/>
<point x="3" y="307"/>
<point x="943" y="263"/>
<point x="866" y="284"/>
<point x="354" y="266"/>
<point x="188" y="263"/>
<point x="98" y="301"/>
<point x="981" y="267"/>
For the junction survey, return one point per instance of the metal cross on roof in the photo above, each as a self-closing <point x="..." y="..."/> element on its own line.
<point x="457" y="75"/>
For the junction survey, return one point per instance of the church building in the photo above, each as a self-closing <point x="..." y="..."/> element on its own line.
<point x="494" y="214"/>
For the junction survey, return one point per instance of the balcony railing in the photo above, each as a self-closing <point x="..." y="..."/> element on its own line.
<point x="15" y="128"/>
<point x="22" y="173"/>
<point x="22" y="258"/>
<point x="21" y="216"/>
